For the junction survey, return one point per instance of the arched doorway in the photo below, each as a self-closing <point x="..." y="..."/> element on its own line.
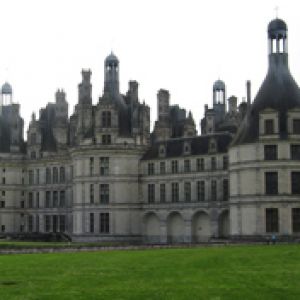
<point x="224" y="224"/>
<point x="175" y="228"/>
<point x="201" y="230"/>
<point x="152" y="228"/>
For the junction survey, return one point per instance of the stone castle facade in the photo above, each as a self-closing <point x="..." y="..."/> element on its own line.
<point x="101" y="175"/>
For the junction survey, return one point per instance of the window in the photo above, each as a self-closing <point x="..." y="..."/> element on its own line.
<point x="37" y="176"/>
<point x="104" y="166"/>
<point x="33" y="155"/>
<point x="213" y="163"/>
<point x="295" y="152"/>
<point x="175" y="192"/>
<point x="106" y="139"/>
<point x="62" y="223"/>
<point x="150" y="168"/>
<point x="106" y="119"/>
<point x="3" y="193"/>
<point x="272" y="224"/>
<point x="22" y="204"/>
<point x="91" y="193"/>
<point x="271" y="182"/>
<point x="270" y="152"/>
<point x="295" y="183"/>
<point x="91" y="165"/>
<point x="62" y="198"/>
<point x="151" y="193"/>
<point x="47" y="223"/>
<point x="48" y="175"/>
<point x="30" y="223"/>
<point x="200" y="164"/>
<point x="213" y="190"/>
<point x="269" y="126"/>
<point x="37" y="199"/>
<point x="2" y="228"/>
<point x="37" y="223"/>
<point x="2" y="204"/>
<point x="162" y="167"/>
<point x="33" y="138"/>
<point x="30" y="200"/>
<point x="48" y="199"/>
<point x="62" y="175"/>
<point x="187" y="192"/>
<point x="3" y="180"/>
<point x="201" y="190"/>
<point x="296" y="219"/>
<point x="104" y="222"/>
<point x="91" y="222"/>
<point x="55" y="199"/>
<point x="296" y="126"/>
<point x="187" y="165"/>
<point x="104" y="193"/>
<point x="225" y="162"/>
<point x="174" y="164"/>
<point x="225" y="190"/>
<point x="30" y="176"/>
<point x="55" y="175"/>
<point x="162" y="192"/>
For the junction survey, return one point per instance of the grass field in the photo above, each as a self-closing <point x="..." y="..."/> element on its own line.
<point x="228" y="272"/>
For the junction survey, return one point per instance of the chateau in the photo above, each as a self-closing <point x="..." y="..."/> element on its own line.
<point x="101" y="175"/>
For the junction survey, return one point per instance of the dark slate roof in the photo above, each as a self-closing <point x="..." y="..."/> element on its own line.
<point x="199" y="146"/>
<point x="276" y="25"/>
<point x="279" y="91"/>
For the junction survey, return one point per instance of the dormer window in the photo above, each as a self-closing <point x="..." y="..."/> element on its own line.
<point x="212" y="145"/>
<point x="296" y="126"/>
<point x="162" y="151"/>
<point x="269" y="126"/>
<point x="106" y="119"/>
<point x="187" y="148"/>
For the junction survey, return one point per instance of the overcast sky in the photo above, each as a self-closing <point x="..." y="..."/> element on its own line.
<point x="182" y="46"/>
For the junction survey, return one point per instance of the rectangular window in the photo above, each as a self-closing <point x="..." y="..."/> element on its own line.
<point x="30" y="223"/>
<point x="271" y="183"/>
<point x="187" y="192"/>
<point x="106" y="139"/>
<point x="37" y="176"/>
<point x="91" y="193"/>
<point x="295" y="180"/>
<point x="175" y="192"/>
<point x="55" y="199"/>
<point x="296" y="219"/>
<point x="106" y="119"/>
<point x="213" y="190"/>
<point x="48" y="199"/>
<point x="225" y="162"/>
<point x="37" y="223"/>
<point x="270" y="152"/>
<point x="104" y="222"/>
<point x="48" y="175"/>
<point x="62" y="223"/>
<point x="30" y="177"/>
<point x="162" y="189"/>
<point x="91" y="222"/>
<point x="296" y="126"/>
<point x="22" y="204"/>
<point x="187" y="165"/>
<point x="225" y="190"/>
<point x="104" y="193"/>
<point x="150" y="168"/>
<point x="37" y="199"/>
<point x="2" y="204"/>
<point x="213" y="163"/>
<point x="104" y="166"/>
<point x="2" y="228"/>
<point x="30" y="200"/>
<point x="151" y="193"/>
<point x="47" y="223"/>
<point x="295" y="152"/>
<point x="62" y="175"/>
<point x="55" y="175"/>
<point x="91" y="165"/>
<point x="174" y="168"/>
<point x="200" y="164"/>
<point x="62" y="199"/>
<point x="269" y="126"/>
<point x="162" y="167"/>
<point x="272" y="224"/>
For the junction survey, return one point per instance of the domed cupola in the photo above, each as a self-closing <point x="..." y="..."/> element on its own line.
<point x="6" y="89"/>
<point x="279" y="91"/>
<point x="111" y="74"/>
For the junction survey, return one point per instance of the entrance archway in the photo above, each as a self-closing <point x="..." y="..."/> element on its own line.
<point x="201" y="230"/>
<point x="175" y="228"/>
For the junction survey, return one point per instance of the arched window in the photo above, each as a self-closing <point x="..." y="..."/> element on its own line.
<point x="55" y="175"/>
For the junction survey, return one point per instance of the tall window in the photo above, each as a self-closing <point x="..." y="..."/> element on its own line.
<point x="150" y="168"/>
<point x="91" y="222"/>
<point x="106" y="119"/>
<point x="30" y="223"/>
<point x="213" y="190"/>
<point x="48" y="199"/>
<point x="174" y="167"/>
<point x="200" y="164"/>
<point x="175" y="192"/>
<point x="30" y="200"/>
<point x="37" y="199"/>
<point x="225" y="162"/>
<point x="48" y="175"/>
<point x="91" y="193"/>
<point x="62" y="175"/>
<point x="47" y="223"/>
<point x="269" y="126"/>
<point x="104" y="222"/>
<point x="162" y="167"/>
<point x="55" y="175"/>
<point x="106" y="139"/>
<point x="62" y="198"/>
<point x="271" y="183"/>
<point x="272" y="224"/>
<point x="104" y="166"/>
<point x="91" y="165"/>
<point x="162" y="189"/>
<point x="213" y="163"/>
<point x="201" y="190"/>
<point x="30" y="176"/>
<point x="296" y="126"/>
<point x="33" y="139"/>
<point x="55" y="199"/>
<point x="104" y="193"/>
<point x="270" y="152"/>
<point x="225" y="190"/>
<point x="187" y="192"/>
<point x="296" y="219"/>
<point x="295" y="152"/>
<point x="187" y="165"/>
<point x="151" y="193"/>
<point x="62" y="223"/>
<point x="295" y="183"/>
<point x="37" y="176"/>
<point x="37" y="223"/>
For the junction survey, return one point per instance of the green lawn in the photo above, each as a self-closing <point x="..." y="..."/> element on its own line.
<point x="227" y="272"/>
